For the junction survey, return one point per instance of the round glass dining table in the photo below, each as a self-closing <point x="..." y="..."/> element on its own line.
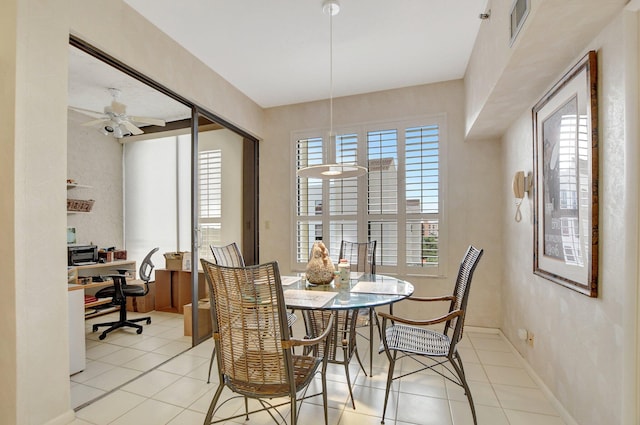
<point x="362" y="291"/>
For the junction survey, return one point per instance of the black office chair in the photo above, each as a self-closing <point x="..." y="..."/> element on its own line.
<point x="119" y="293"/>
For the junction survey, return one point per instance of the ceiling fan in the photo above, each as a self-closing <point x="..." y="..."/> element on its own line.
<point x="114" y="120"/>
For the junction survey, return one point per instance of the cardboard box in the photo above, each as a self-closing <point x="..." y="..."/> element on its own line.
<point x="163" y="291"/>
<point x="142" y="304"/>
<point x="204" y="319"/>
<point x="177" y="260"/>
<point x="173" y="289"/>
<point x="107" y="256"/>
<point x="120" y="254"/>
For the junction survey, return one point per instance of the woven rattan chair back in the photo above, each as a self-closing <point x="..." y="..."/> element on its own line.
<point x="361" y="255"/>
<point x="230" y="256"/>
<point x="227" y="255"/>
<point x="407" y="338"/>
<point x="251" y="334"/>
<point x="461" y="293"/>
<point x="362" y="258"/>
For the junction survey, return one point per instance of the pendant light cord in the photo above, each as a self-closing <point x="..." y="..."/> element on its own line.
<point x="330" y="75"/>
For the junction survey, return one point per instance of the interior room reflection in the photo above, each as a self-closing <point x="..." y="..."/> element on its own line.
<point x="129" y="166"/>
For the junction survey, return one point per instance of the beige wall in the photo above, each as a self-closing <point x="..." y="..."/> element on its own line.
<point x="34" y="46"/>
<point x="37" y="311"/>
<point x="472" y="172"/>
<point x="95" y="160"/>
<point x="8" y="255"/>
<point x="580" y="342"/>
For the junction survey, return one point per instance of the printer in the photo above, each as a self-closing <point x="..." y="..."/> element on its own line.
<point x="79" y="255"/>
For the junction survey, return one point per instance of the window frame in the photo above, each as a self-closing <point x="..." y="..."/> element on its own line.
<point x="362" y="216"/>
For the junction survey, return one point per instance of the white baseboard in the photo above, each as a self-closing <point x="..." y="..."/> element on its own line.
<point x="66" y="418"/>
<point x="562" y="412"/>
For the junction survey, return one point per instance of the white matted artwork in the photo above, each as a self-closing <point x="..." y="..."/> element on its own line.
<point x="566" y="180"/>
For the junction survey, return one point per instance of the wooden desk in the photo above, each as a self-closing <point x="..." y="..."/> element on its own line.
<point x="79" y="311"/>
<point x="76" y="273"/>
<point x="173" y="289"/>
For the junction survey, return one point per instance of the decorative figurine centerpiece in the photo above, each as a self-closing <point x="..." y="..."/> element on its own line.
<point x="320" y="269"/>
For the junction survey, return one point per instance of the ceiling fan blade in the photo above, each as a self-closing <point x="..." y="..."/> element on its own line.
<point x="147" y="120"/>
<point x="132" y="128"/>
<point x="94" y="114"/>
<point x="94" y="122"/>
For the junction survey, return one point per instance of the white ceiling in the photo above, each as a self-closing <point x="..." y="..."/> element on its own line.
<point x="90" y="80"/>
<point x="277" y="52"/>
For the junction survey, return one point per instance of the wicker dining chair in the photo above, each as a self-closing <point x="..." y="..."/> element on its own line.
<point x="362" y="258"/>
<point x="230" y="256"/>
<point x="227" y="255"/>
<point x="410" y="339"/>
<point x="254" y="348"/>
<point x="342" y="340"/>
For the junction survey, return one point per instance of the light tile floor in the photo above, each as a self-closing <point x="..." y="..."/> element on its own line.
<point x="124" y="355"/>
<point x="176" y="392"/>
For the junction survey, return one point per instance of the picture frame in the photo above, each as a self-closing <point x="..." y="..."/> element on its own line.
<point x="565" y="132"/>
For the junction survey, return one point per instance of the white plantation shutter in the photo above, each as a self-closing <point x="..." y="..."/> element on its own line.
<point x="210" y="207"/>
<point x="398" y="203"/>
<point x="422" y="177"/>
<point x="343" y="197"/>
<point x="308" y="198"/>
<point x="382" y="158"/>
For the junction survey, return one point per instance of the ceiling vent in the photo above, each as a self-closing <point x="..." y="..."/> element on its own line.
<point x="519" y="13"/>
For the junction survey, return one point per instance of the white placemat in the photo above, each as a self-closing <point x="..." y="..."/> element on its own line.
<point x="289" y="280"/>
<point x="310" y="299"/>
<point x="389" y="288"/>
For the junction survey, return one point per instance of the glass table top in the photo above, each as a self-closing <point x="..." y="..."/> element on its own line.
<point x="362" y="291"/>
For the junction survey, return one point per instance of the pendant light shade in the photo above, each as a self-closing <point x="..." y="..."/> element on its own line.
<point x="331" y="171"/>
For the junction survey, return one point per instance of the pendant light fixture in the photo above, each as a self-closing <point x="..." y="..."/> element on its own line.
<point x="331" y="171"/>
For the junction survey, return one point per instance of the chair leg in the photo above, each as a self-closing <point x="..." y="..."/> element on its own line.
<point x="463" y="382"/>
<point x="212" y="406"/>
<point x="325" y="400"/>
<point x="371" y="314"/>
<point x="121" y="322"/>
<point x="213" y="355"/>
<point x="294" y="410"/>
<point x="355" y="317"/>
<point x="360" y="361"/>
<point x="346" y="372"/>
<point x="392" y="365"/>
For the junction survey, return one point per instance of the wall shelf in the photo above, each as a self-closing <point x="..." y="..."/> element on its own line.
<point x="76" y="185"/>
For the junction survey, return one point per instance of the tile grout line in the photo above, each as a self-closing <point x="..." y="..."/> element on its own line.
<point x="562" y="412"/>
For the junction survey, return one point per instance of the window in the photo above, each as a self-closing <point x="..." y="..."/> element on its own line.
<point x="398" y="203"/>
<point x="210" y="205"/>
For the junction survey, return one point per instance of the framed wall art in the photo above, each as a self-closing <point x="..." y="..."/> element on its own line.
<point x="565" y="131"/>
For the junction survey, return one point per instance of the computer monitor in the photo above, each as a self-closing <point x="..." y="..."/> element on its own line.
<point x="71" y="236"/>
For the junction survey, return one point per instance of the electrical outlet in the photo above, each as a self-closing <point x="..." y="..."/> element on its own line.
<point x="530" y="338"/>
